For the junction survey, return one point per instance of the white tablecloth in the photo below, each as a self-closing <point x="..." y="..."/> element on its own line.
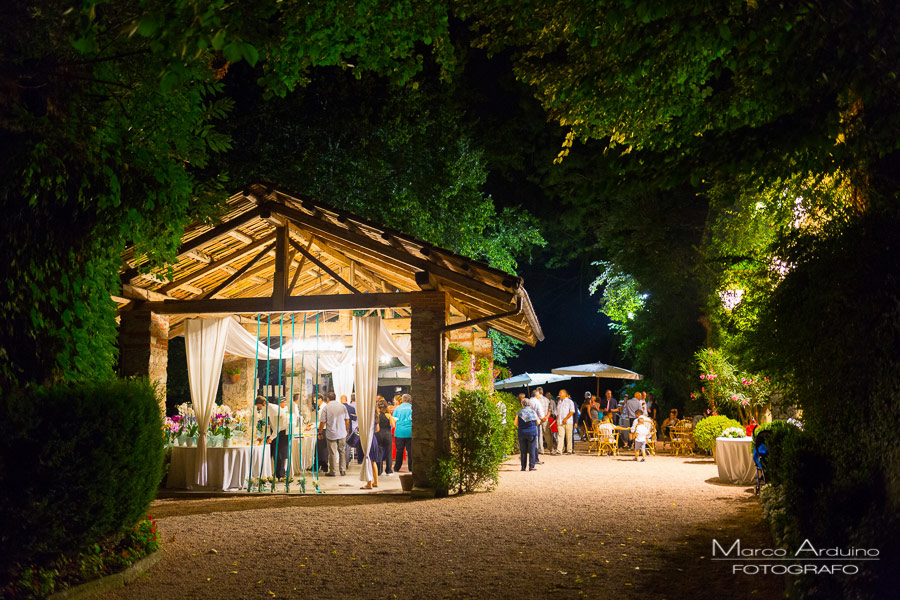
<point x="735" y="460"/>
<point x="309" y="449"/>
<point x="227" y="468"/>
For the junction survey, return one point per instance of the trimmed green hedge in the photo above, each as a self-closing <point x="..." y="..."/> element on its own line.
<point x="77" y="463"/>
<point x="710" y="428"/>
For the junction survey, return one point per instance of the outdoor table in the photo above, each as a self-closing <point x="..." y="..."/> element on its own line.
<point x="226" y="468"/>
<point x="735" y="460"/>
<point x="309" y="450"/>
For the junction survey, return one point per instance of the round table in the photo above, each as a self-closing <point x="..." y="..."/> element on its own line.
<point x="226" y="468"/>
<point x="734" y="458"/>
<point x="309" y="450"/>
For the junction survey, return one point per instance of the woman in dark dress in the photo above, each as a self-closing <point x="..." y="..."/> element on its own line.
<point x="383" y="436"/>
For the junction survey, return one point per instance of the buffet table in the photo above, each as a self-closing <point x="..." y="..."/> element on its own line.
<point x="734" y="458"/>
<point x="226" y="468"/>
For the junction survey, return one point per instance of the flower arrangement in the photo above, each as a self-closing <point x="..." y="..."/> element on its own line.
<point x="424" y="368"/>
<point x="733" y="432"/>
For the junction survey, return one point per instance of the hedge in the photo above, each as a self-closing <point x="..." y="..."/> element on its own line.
<point x="710" y="428"/>
<point x="77" y="463"/>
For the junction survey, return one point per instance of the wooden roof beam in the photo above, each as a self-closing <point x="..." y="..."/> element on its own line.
<point x="292" y="304"/>
<point x="204" y="238"/>
<point x="222" y="264"/>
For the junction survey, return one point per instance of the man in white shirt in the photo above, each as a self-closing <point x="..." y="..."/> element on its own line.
<point x="334" y="423"/>
<point x="565" y="410"/>
<point x="544" y="435"/>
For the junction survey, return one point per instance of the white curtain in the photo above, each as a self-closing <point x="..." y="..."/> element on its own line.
<point x="393" y="346"/>
<point x="366" y="332"/>
<point x="343" y="377"/>
<point x="241" y="342"/>
<point x="204" y="341"/>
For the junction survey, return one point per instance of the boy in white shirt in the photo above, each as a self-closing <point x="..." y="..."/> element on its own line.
<point x="641" y="429"/>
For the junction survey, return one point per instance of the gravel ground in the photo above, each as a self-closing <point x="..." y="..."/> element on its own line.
<point x="578" y="527"/>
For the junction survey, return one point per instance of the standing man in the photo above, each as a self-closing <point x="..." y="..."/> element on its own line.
<point x="333" y="426"/>
<point x="629" y="412"/>
<point x="279" y="419"/>
<point x="544" y="435"/>
<point x="608" y="405"/>
<point x="538" y="409"/>
<point x="565" y="408"/>
<point x="403" y="432"/>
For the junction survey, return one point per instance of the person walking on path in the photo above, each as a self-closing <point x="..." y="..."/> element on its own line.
<point x="565" y="408"/>
<point x="629" y="413"/>
<point x="527" y="424"/>
<point x="333" y="427"/>
<point x="641" y="430"/>
<point x="403" y="432"/>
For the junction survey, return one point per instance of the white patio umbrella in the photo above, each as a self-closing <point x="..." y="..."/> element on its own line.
<point x="597" y="370"/>
<point x="527" y="380"/>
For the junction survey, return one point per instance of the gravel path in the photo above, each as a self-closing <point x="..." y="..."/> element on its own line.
<point x="579" y="527"/>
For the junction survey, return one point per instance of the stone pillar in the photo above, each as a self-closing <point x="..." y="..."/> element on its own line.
<point x="144" y="349"/>
<point x="238" y="396"/>
<point x="430" y="393"/>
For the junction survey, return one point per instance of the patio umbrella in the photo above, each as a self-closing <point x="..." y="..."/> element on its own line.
<point x="597" y="370"/>
<point x="527" y="380"/>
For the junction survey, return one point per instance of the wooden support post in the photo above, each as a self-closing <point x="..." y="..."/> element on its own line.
<point x="282" y="268"/>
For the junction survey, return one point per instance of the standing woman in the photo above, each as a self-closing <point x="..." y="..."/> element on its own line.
<point x="527" y="424"/>
<point x="384" y="436"/>
<point x="584" y="419"/>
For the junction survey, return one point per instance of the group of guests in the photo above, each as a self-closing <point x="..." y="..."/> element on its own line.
<point x="338" y="430"/>
<point x="548" y="424"/>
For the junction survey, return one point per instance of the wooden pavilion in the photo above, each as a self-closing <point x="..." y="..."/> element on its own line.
<point x="275" y="253"/>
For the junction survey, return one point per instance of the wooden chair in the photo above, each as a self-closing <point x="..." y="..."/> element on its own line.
<point x="606" y="445"/>
<point x="592" y="435"/>
<point x="651" y="439"/>
<point x="683" y="438"/>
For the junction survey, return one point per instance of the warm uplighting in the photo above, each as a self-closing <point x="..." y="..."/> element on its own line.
<point x="731" y="298"/>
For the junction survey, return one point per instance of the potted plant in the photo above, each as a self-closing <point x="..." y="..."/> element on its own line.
<point x="233" y="374"/>
<point x="226" y="437"/>
<point x="425" y="369"/>
<point x="454" y="352"/>
<point x="193" y="431"/>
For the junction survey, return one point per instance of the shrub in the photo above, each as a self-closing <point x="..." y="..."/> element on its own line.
<point x="77" y="463"/>
<point x="709" y="429"/>
<point x="510" y="433"/>
<point x="477" y="444"/>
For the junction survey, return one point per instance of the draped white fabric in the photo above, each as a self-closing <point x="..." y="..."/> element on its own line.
<point x="242" y="343"/>
<point x="392" y="346"/>
<point x="366" y="339"/>
<point x="343" y="377"/>
<point x="204" y="341"/>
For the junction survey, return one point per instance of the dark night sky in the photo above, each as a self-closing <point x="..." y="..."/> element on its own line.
<point x="521" y="144"/>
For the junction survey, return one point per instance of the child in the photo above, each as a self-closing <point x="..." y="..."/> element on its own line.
<point x="641" y="428"/>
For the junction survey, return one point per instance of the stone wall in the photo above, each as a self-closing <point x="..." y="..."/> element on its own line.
<point x="479" y="347"/>
<point x="144" y="349"/>
<point x="238" y="396"/>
